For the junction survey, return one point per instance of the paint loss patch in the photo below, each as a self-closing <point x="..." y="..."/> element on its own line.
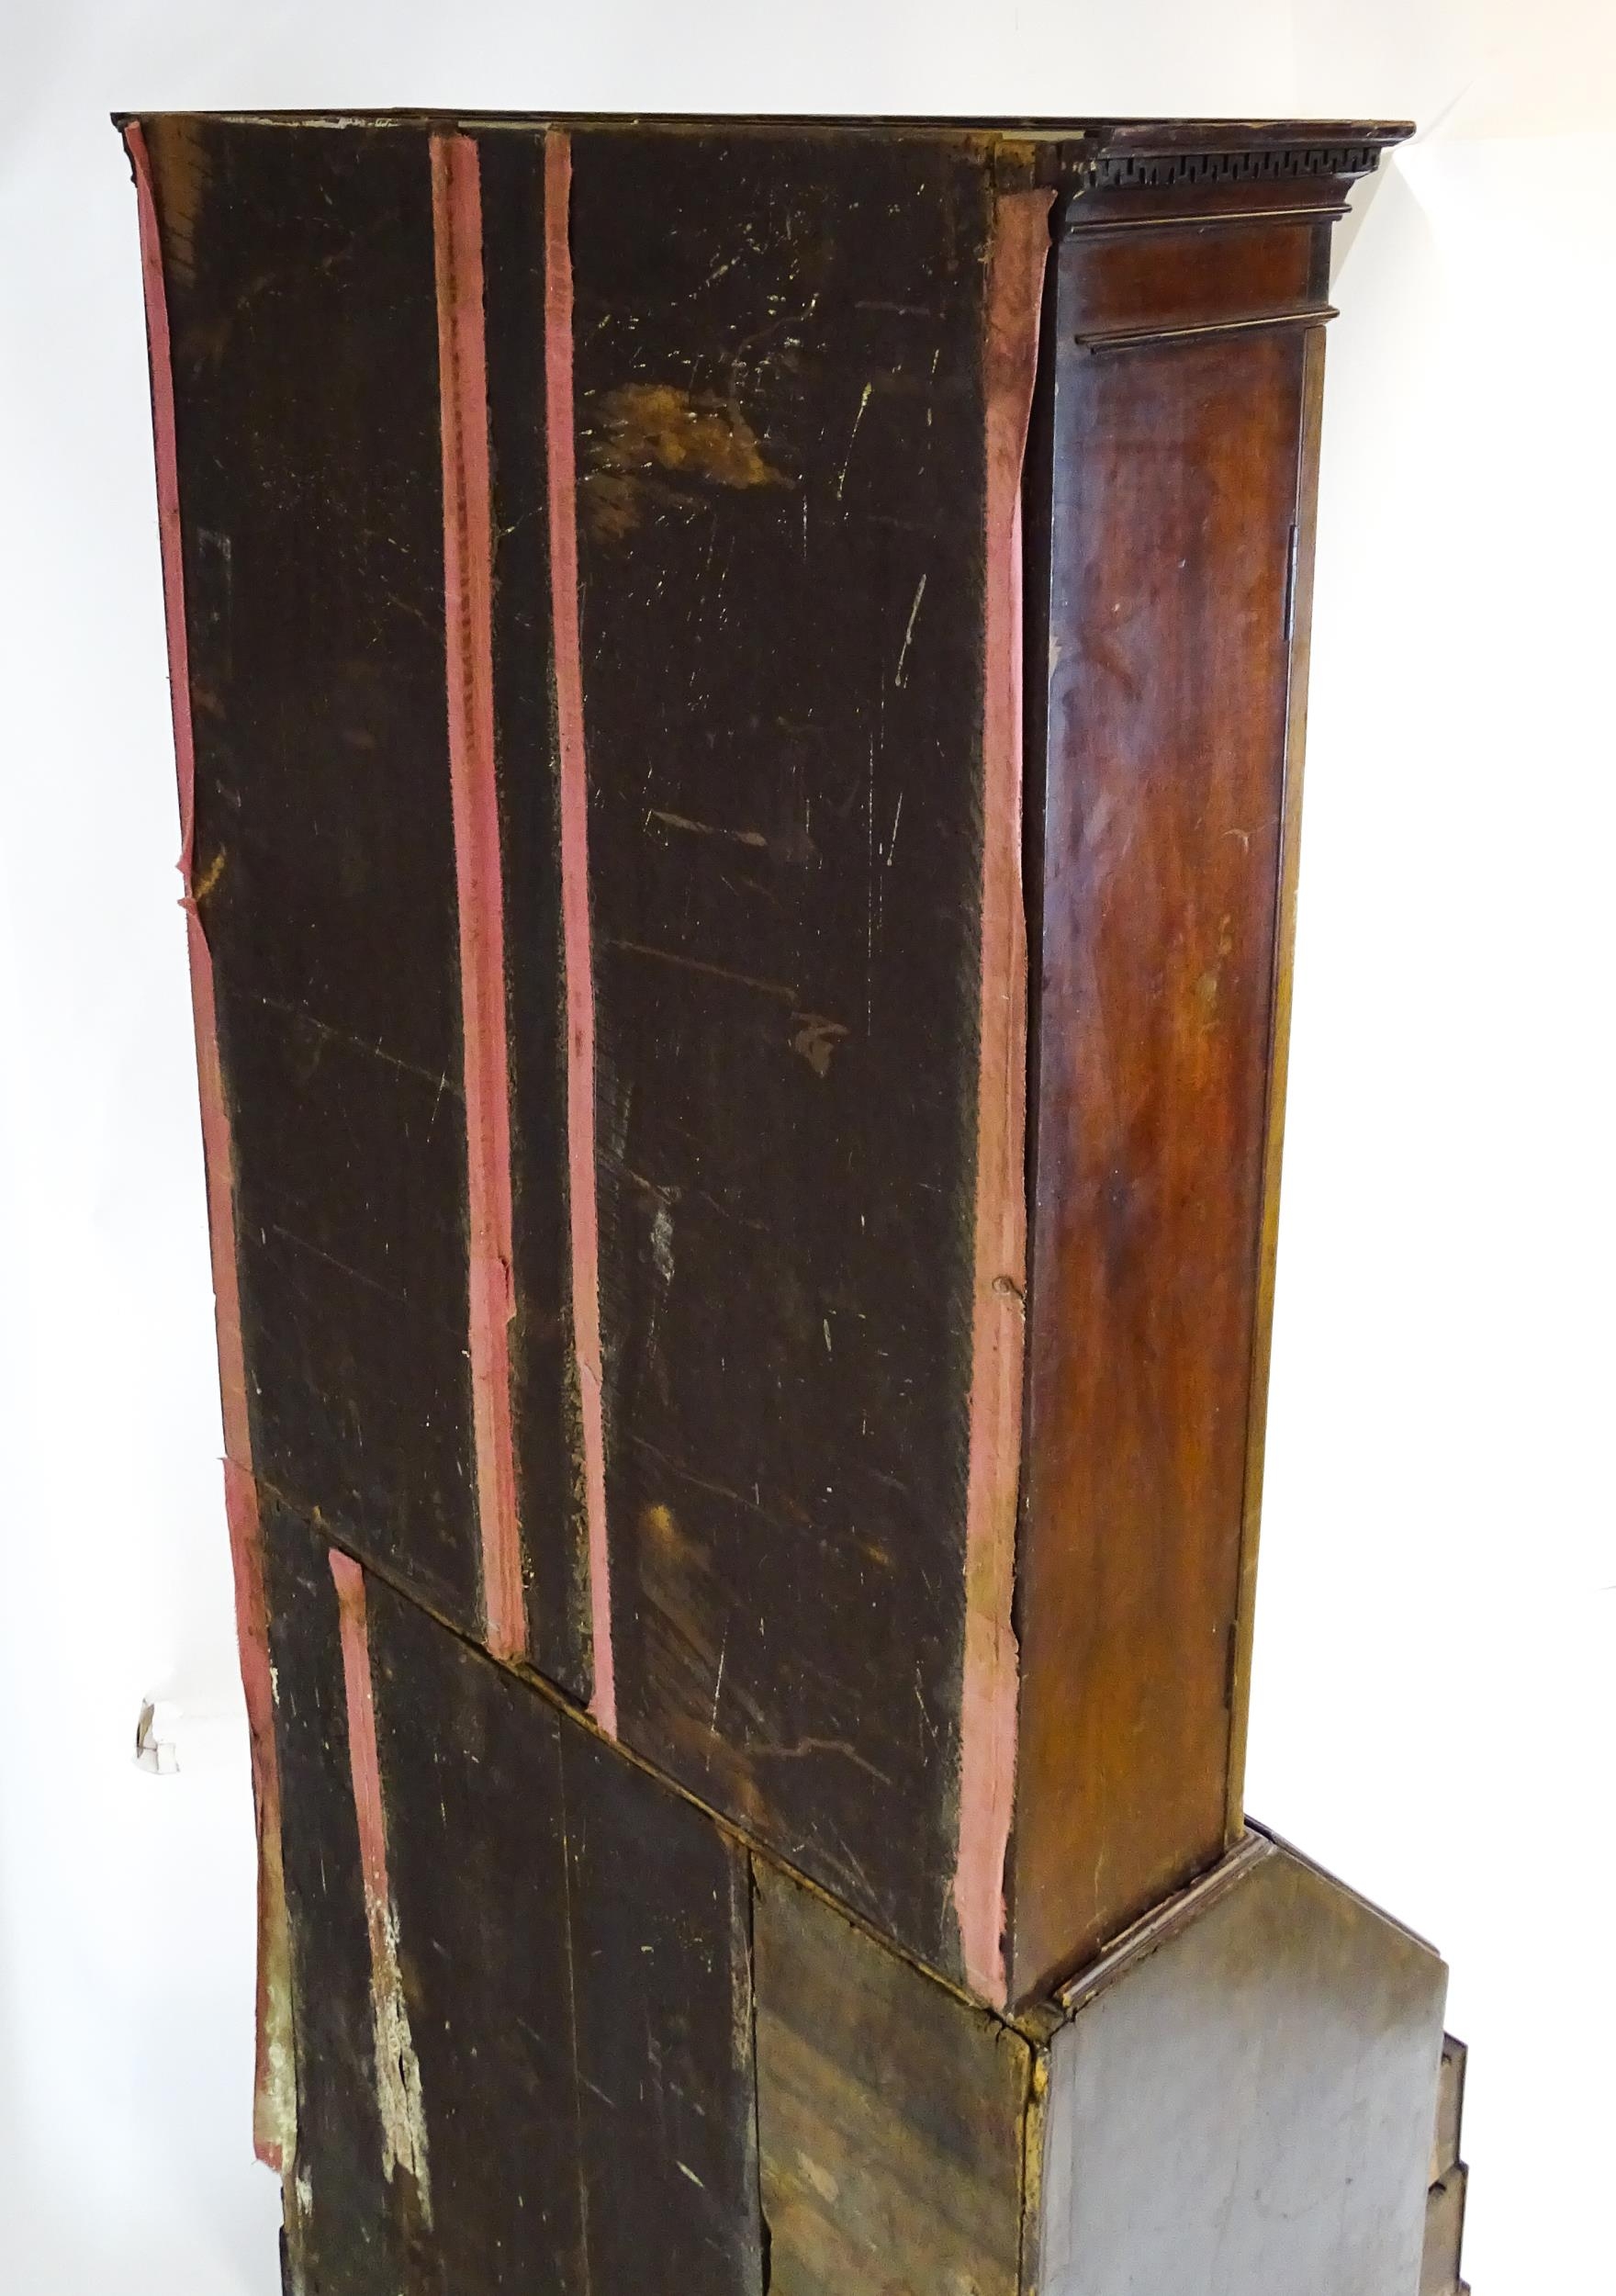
<point x="650" y="445"/>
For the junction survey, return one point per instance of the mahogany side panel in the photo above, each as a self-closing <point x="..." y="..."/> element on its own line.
<point x="1279" y="1059"/>
<point x="1174" y="462"/>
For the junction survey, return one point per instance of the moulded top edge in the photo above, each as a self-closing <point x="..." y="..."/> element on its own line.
<point x="1104" y="137"/>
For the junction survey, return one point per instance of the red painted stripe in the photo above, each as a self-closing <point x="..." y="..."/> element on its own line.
<point x="469" y="601"/>
<point x="273" y="2132"/>
<point x="991" y="1678"/>
<point x="575" y="898"/>
<point x="364" y="1761"/>
<point x="397" y="2070"/>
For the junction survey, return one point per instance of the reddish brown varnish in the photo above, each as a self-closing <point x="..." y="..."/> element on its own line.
<point x="1176" y="435"/>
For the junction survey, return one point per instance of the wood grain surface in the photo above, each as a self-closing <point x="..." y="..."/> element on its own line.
<point x="607" y="568"/>
<point x="1174" y="476"/>
<point x="779" y="411"/>
<point x="890" y="2115"/>
<point x="560" y="2094"/>
<point x="300" y="279"/>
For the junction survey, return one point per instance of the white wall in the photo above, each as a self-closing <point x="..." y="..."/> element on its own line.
<point x="1435" y="1695"/>
<point x="1433" y="1701"/>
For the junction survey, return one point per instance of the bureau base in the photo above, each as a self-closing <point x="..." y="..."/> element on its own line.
<point x="555" y="2025"/>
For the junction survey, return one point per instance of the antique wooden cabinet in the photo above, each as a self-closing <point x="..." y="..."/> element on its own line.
<point x="738" y="690"/>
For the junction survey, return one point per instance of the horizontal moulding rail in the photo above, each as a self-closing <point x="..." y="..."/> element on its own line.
<point x="1130" y="338"/>
<point x="1078" y="225"/>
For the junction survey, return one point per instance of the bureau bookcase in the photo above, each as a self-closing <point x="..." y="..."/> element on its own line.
<point x="738" y="689"/>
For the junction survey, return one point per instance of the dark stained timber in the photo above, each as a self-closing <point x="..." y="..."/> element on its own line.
<point x="556" y="2029"/>
<point x="746" y="683"/>
<point x="890" y="2116"/>
<point x="780" y="510"/>
<point x="577" y="1941"/>
<point x="347" y="2224"/>
<point x="299" y="280"/>
<point x="471" y="1774"/>
<point x="331" y="876"/>
<point x="522" y="1976"/>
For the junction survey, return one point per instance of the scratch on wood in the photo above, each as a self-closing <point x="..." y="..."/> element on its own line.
<point x="697" y="964"/>
<point x="706" y="829"/>
<point x="913" y="616"/>
<point x="852" y="434"/>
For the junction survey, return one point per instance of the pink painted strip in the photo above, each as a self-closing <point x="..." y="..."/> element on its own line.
<point x="160" y="358"/>
<point x="274" y="2090"/>
<point x="271" y="2117"/>
<point x="575" y="899"/>
<point x="469" y="601"/>
<point x="397" y="2070"/>
<point x="364" y="1761"/>
<point x="992" y="1677"/>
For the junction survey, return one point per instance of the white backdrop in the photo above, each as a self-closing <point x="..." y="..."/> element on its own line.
<point x="1436" y="1651"/>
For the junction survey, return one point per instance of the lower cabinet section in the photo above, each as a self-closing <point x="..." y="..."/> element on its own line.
<point x="1242" y="2097"/>
<point x="892" y="2117"/>
<point x="521" y="1974"/>
<point x="556" y="2028"/>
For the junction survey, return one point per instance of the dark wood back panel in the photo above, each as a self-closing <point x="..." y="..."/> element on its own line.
<point x="711" y="636"/>
<point x="304" y="294"/>
<point x="575" y="1945"/>
<point x="780" y="422"/>
<point x="471" y="1770"/>
<point x="1174" y="485"/>
<point x="890" y="2115"/>
<point x="299" y="276"/>
<point x="347" y="2226"/>
<point x="534" y="1979"/>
